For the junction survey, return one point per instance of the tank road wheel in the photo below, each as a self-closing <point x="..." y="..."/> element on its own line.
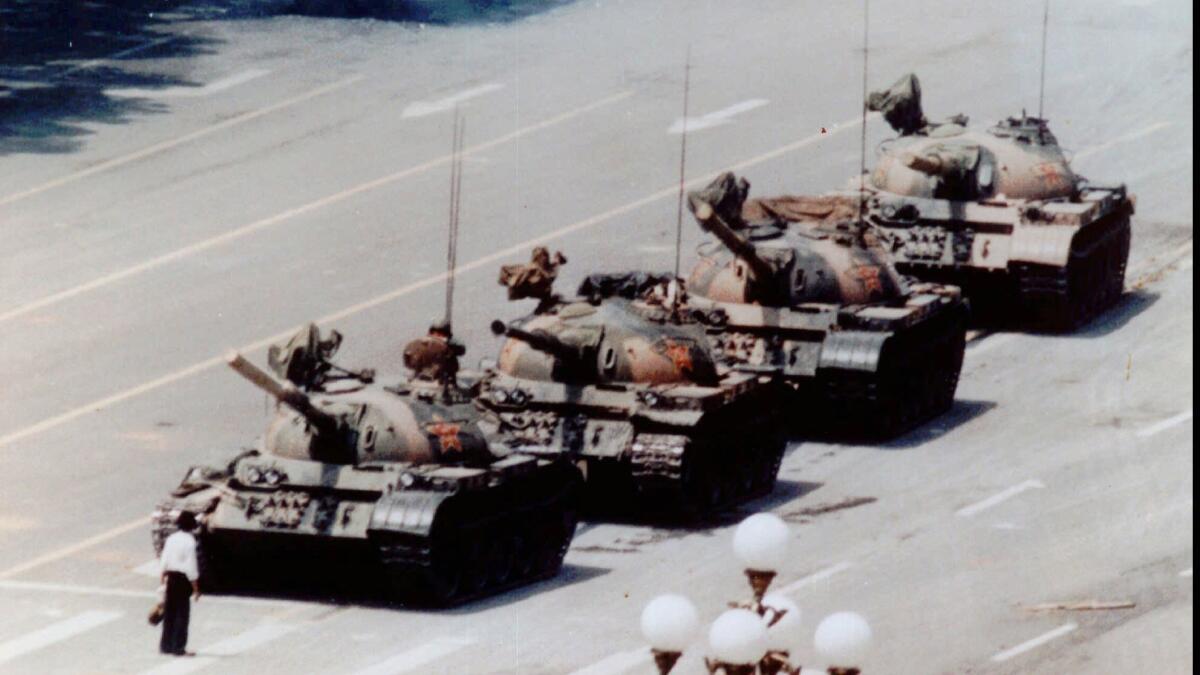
<point x="501" y="556"/>
<point x="1118" y="259"/>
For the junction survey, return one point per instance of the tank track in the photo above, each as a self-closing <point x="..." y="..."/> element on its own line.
<point x="914" y="382"/>
<point x="482" y="541"/>
<point x="698" y="474"/>
<point x="1064" y="298"/>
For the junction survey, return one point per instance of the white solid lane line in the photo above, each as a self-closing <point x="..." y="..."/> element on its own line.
<point x="521" y="248"/>
<point x="816" y="577"/>
<point x="412" y="659"/>
<point x="1165" y="424"/>
<point x="175" y="142"/>
<point x="1034" y="643"/>
<point x="999" y="497"/>
<point x="54" y="633"/>
<point x="618" y="663"/>
<point x="100" y="591"/>
<point x="250" y="228"/>
<point x="191" y="92"/>
<point x="423" y="108"/>
<point x="72" y="549"/>
<point x="242" y="642"/>
<point x="150" y="568"/>
<point x="715" y="118"/>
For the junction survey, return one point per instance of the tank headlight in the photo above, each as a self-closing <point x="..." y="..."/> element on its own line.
<point x="518" y="397"/>
<point x="407" y="479"/>
<point x="651" y="399"/>
<point x="500" y="396"/>
<point x="254" y="475"/>
<point x="273" y="477"/>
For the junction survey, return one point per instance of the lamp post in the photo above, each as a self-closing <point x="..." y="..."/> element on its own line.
<point x="754" y="638"/>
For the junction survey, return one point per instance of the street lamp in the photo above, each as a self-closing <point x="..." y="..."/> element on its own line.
<point x="761" y="543"/>
<point x="757" y="637"/>
<point x="669" y="623"/>
<point x="842" y="638"/>
<point x="738" y="640"/>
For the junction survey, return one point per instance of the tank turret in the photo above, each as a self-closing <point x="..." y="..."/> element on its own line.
<point x="786" y="251"/>
<point x="999" y="212"/>
<point x="606" y="343"/>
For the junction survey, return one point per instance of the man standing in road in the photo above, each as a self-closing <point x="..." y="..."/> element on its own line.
<point x="180" y="574"/>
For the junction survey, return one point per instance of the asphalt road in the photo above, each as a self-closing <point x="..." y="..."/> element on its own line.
<point x="286" y="169"/>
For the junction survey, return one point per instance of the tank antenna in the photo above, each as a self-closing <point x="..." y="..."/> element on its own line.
<point x="687" y="72"/>
<point x="1042" y="83"/>
<point x="452" y="225"/>
<point x="862" y="160"/>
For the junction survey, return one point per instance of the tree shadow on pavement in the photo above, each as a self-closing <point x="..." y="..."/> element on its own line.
<point x="59" y="59"/>
<point x="427" y="11"/>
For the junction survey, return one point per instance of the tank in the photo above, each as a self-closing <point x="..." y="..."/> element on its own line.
<point x="998" y="211"/>
<point x="397" y="477"/>
<point x="796" y="287"/>
<point x="633" y="393"/>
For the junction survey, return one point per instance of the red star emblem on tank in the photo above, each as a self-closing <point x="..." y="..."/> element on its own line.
<point x="868" y="276"/>
<point x="447" y="435"/>
<point x="1051" y="175"/>
<point x="680" y="354"/>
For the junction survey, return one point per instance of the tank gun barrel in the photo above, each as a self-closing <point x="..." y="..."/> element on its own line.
<point x="712" y="221"/>
<point x="286" y="394"/>
<point x="539" y="340"/>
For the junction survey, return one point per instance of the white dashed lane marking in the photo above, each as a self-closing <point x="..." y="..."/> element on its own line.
<point x="423" y="108"/>
<point x="54" y="633"/>
<point x="207" y="656"/>
<point x="621" y="662"/>
<point x="998" y="498"/>
<point x="715" y="118"/>
<point x="412" y="659"/>
<point x="816" y="577"/>
<point x="192" y="92"/>
<point x="1165" y="424"/>
<point x="1034" y="643"/>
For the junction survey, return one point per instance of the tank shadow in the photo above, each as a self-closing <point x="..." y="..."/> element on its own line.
<point x="990" y="318"/>
<point x="1128" y="307"/>
<point x="785" y="491"/>
<point x="360" y="586"/>
<point x="60" y="65"/>
<point x="960" y="413"/>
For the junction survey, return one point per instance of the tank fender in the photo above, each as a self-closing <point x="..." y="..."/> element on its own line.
<point x="407" y="512"/>
<point x="853" y="350"/>
<point x="1043" y="244"/>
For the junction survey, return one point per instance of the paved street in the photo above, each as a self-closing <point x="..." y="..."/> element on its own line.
<point x="222" y="176"/>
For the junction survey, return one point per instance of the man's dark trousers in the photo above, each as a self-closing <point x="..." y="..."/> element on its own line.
<point x="177" y="612"/>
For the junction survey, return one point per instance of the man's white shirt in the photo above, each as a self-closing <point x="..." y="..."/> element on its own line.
<point x="179" y="555"/>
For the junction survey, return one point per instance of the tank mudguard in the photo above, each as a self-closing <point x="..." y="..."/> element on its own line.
<point x="853" y="350"/>
<point x="1042" y="244"/>
<point x="407" y="512"/>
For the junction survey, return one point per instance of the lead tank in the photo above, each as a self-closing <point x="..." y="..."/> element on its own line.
<point x="794" y="286"/>
<point x="998" y="211"/>
<point x="397" y="477"/>
<point x="633" y="392"/>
